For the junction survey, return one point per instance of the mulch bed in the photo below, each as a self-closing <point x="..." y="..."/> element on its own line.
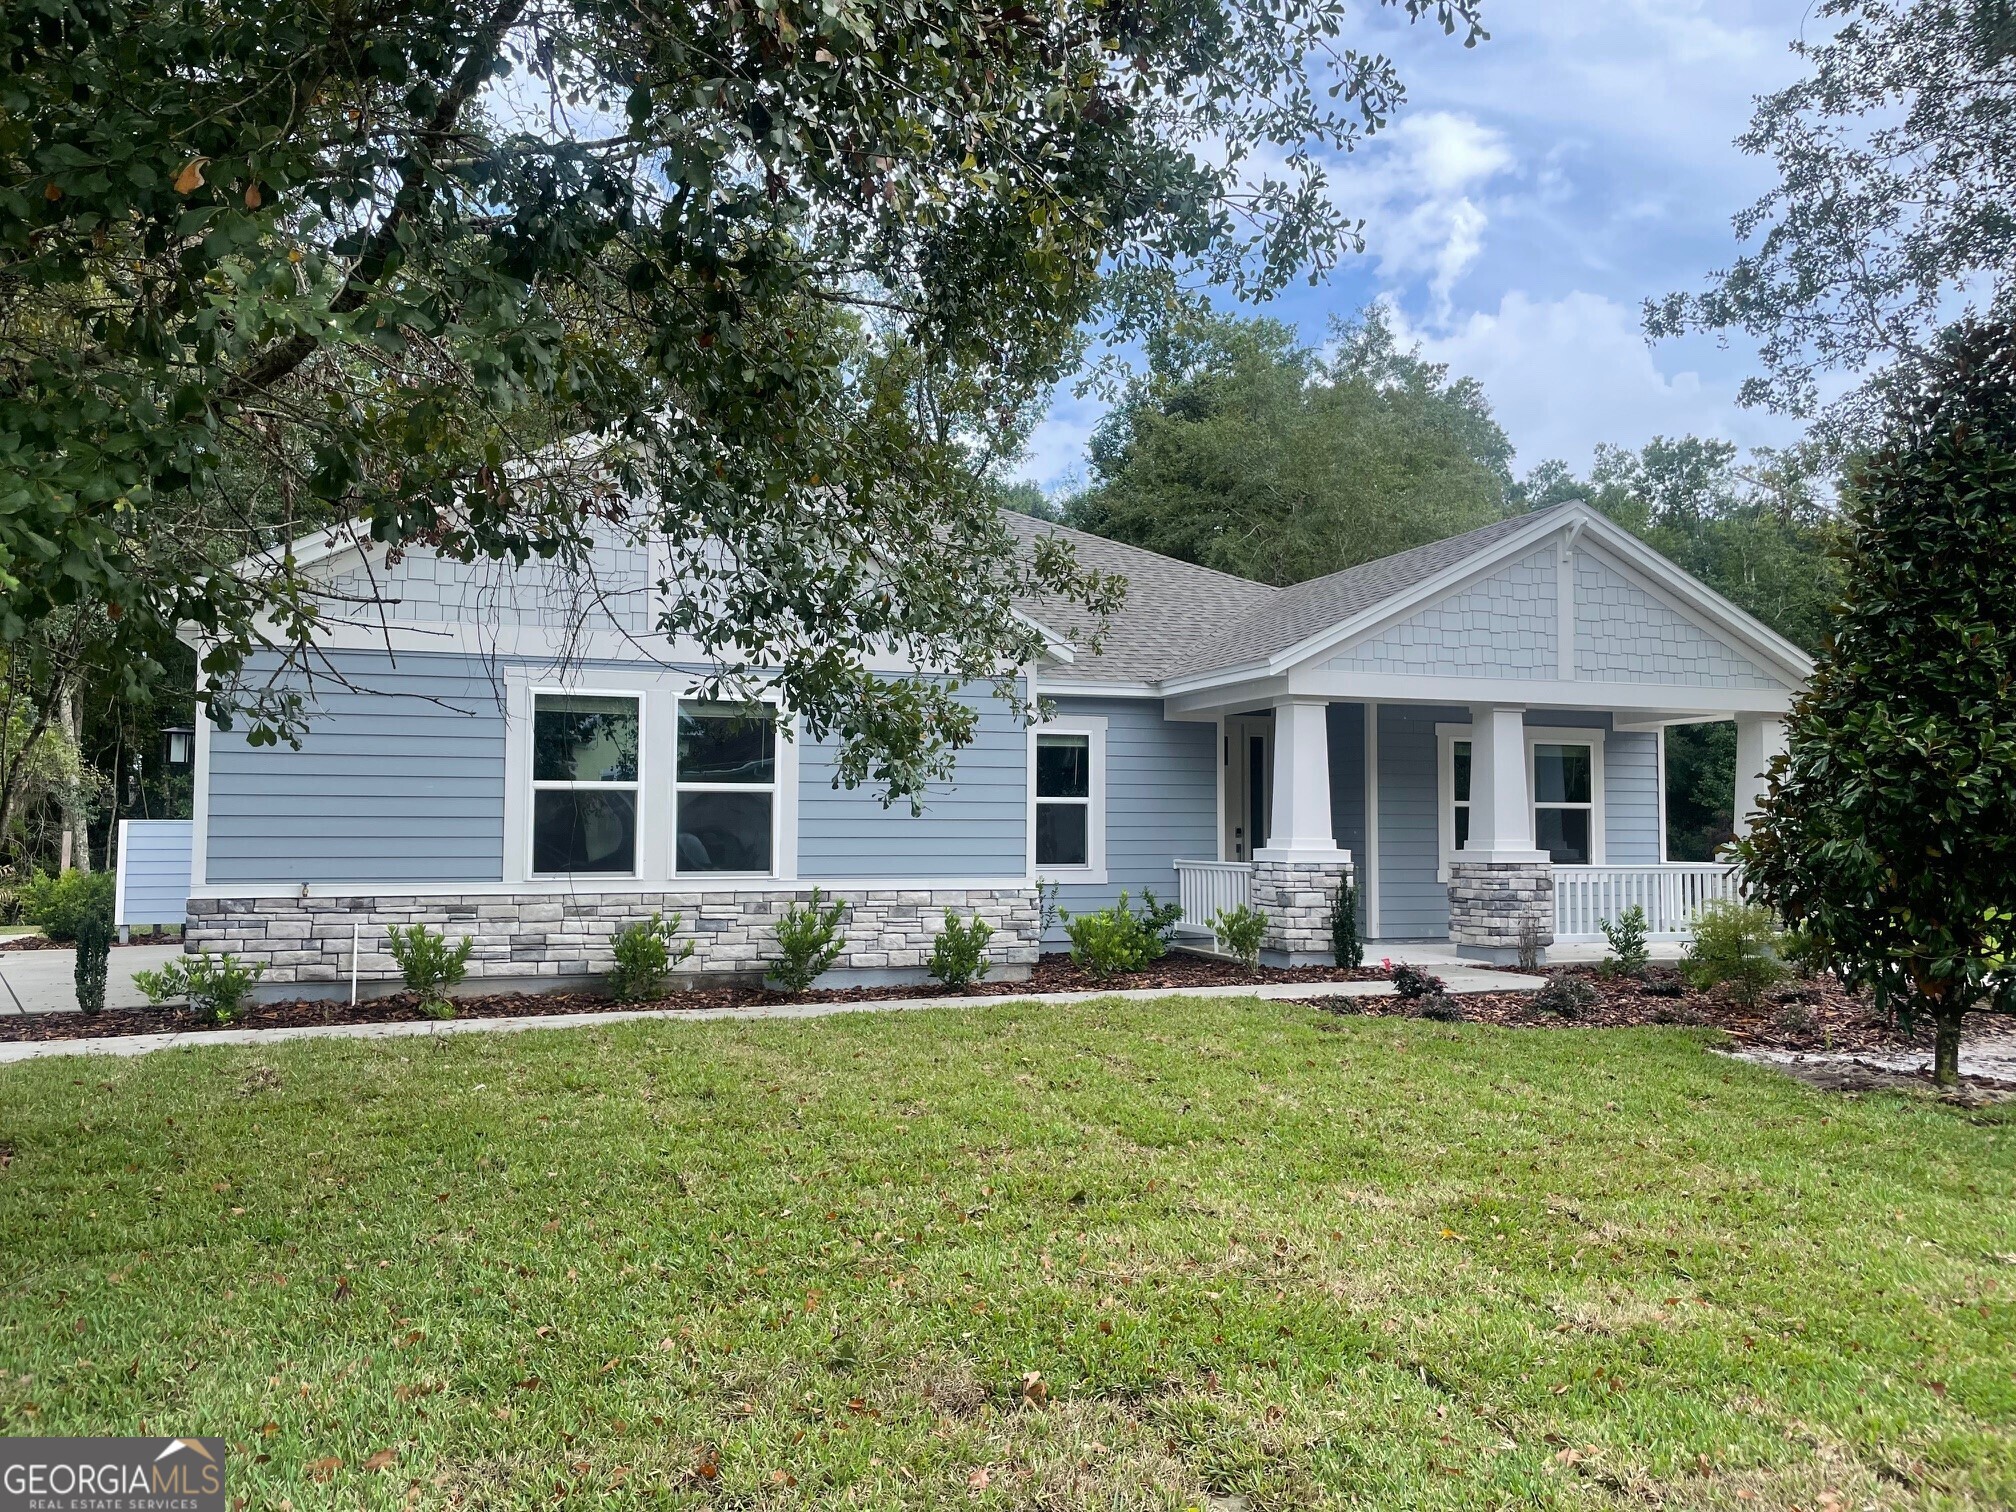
<point x="1816" y="1016"/>
<point x="42" y="942"/>
<point x="1053" y="973"/>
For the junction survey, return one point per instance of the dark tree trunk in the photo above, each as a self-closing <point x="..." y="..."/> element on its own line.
<point x="1946" y="1050"/>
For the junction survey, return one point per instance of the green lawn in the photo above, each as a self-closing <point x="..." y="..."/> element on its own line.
<point x="1251" y="1250"/>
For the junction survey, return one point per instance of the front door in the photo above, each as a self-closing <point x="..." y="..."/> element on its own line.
<point x="1249" y="797"/>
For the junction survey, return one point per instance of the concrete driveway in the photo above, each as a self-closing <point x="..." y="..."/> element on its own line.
<point x="34" y="981"/>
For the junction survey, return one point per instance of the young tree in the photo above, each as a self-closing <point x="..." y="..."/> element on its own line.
<point x="766" y="281"/>
<point x="1890" y="214"/>
<point x="1242" y="449"/>
<point x="1889" y="835"/>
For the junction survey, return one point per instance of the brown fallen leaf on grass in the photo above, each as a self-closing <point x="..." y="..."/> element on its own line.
<point x="384" y="1459"/>
<point x="1035" y="1390"/>
<point x="324" y="1467"/>
<point x="978" y="1480"/>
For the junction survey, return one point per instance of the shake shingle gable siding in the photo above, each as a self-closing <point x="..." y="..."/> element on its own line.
<point x="1623" y="633"/>
<point x="1306" y="610"/>
<point x="1505" y="626"/>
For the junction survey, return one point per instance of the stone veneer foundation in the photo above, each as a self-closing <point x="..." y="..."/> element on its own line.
<point x="545" y="940"/>
<point x="1297" y="896"/>
<point x="1491" y="903"/>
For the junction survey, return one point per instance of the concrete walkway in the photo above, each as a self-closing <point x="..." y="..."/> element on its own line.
<point x="142" y="1044"/>
<point x="44" y="981"/>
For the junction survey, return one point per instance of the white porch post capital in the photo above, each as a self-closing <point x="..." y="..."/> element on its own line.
<point x="1501" y="805"/>
<point x="1301" y="829"/>
<point x="1759" y="737"/>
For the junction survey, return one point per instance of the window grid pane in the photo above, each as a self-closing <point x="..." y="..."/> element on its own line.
<point x="1063" y="834"/>
<point x="728" y="744"/>
<point x="582" y="738"/>
<point x="1564" y="834"/>
<point x="584" y="830"/>
<point x="1561" y="774"/>
<point x="1063" y="766"/>
<point x="724" y="832"/>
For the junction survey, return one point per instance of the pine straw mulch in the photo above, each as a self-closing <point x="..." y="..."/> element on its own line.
<point x="1816" y="1016"/>
<point x="1053" y="973"/>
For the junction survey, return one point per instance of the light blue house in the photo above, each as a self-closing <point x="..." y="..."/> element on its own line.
<point x="1473" y="730"/>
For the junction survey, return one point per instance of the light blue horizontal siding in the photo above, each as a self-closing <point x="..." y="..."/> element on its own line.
<point x="1631" y="780"/>
<point x="1347" y="786"/>
<point x="399" y="778"/>
<point x="974" y="826"/>
<point x="1413" y="900"/>
<point x="154" y="871"/>
<point x="1161" y="799"/>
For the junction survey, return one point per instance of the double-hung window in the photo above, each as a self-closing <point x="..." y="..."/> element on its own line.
<point x="1565" y="782"/>
<point x="726" y="788"/>
<point x="1564" y="802"/>
<point x="1064" y="800"/>
<point x="584" y="783"/>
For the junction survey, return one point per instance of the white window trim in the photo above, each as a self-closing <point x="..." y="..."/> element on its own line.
<point x="1446" y="736"/>
<point x="1093" y="727"/>
<point x="661" y="690"/>
<point x="635" y="787"/>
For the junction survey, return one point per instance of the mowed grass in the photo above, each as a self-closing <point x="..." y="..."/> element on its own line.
<point x="1250" y="1250"/>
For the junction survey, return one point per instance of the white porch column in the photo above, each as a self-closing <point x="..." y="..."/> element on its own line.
<point x="1759" y="737"/>
<point x="1501" y="889"/>
<point x="1296" y="874"/>
<point x="1300" y="827"/>
<point x="1501" y="804"/>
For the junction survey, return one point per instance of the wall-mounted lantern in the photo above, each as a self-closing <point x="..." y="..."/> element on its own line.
<point x="178" y="746"/>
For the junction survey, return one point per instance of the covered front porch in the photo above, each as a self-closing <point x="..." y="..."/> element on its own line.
<point x="1486" y="826"/>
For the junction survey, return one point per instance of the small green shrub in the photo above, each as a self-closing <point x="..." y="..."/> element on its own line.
<point x="1116" y="939"/>
<point x="1158" y="922"/>
<point x="1736" y="945"/>
<point x="1626" y="934"/>
<point x="646" y="952"/>
<point x="430" y="965"/>
<point x="1241" y="932"/>
<point x="1565" y="996"/>
<point x="1106" y="941"/>
<point x="1346" y="949"/>
<point x="809" y="940"/>
<point x="216" y="986"/>
<point x="959" y="953"/>
<point x="94" y="957"/>
<point x="57" y="903"/>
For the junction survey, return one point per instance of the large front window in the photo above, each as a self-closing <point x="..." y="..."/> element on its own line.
<point x="584" y="783"/>
<point x="727" y="788"/>
<point x="1564" y="794"/>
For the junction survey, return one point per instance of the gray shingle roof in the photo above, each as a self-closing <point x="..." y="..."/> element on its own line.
<point x="1184" y="619"/>
<point x="1172" y="607"/>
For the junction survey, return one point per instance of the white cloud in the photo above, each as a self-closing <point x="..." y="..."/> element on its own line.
<point x="1419" y="186"/>
<point x="1564" y="374"/>
<point x="1054" y="459"/>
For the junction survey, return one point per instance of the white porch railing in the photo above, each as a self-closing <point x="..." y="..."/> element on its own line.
<point x="1205" y="887"/>
<point x="1584" y="896"/>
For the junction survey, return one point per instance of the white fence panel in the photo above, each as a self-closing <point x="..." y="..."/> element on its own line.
<point x="1205" y="887"/>
<point x="1585" y="896"/>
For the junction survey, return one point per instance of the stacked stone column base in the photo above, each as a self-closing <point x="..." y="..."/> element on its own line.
<point x="1297" y="897"/>
<point x="544" y="940"/>
<point x="1498" y="907"/>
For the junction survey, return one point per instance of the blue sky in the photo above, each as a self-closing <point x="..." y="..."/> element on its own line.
<point x="1533" y="191"/>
